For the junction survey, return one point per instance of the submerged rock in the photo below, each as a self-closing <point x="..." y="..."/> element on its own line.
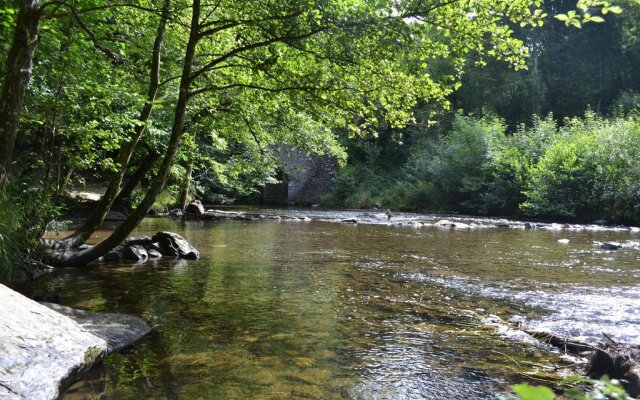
<point x="172" y="244"/>
<point x="118" y="330"/>
<point x="610" y="246"/>
<point x="49" y="297"/>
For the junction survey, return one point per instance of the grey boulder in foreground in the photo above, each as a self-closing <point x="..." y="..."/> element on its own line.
<point x="44" y="347"/>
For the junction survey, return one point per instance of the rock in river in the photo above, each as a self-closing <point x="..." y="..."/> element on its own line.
<point x="135" y="253"/>
<point x="114" y="255"/>
<point x="140" y="240"/>
<point x="195" y="207"/>
<point x="119" y="330"/>
<point x="172" y="244"/>
<point x="44" y="350"/>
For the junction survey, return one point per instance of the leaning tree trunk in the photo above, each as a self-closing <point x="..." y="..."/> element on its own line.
<point x="141" y="172"/>
<point x="106" y="201"/>
<point x="86" y="256"/>
<point x="17" y="75"/>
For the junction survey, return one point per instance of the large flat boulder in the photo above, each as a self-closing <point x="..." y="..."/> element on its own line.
<point x="41" y="349"/>
<point x="45" y="346"/>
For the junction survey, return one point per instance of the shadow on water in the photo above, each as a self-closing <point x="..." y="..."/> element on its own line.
<point x="334" y="311"/>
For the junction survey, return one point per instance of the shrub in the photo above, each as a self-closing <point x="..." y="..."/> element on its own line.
<point x="449" y="172"/>
<point x="24" y="216"/>
<point x="590" y="172"/>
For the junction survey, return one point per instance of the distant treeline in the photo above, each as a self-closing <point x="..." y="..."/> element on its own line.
<point x="568" y="70"/>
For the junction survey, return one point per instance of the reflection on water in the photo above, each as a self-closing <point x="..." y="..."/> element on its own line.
<point x="333" y="311"/>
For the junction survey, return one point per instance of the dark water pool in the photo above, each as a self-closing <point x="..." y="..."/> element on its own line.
<point x="279" y="310"/>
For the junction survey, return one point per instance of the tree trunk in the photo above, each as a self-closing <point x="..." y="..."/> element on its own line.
<point x="137" y="177"/>
<point x="186" y="181"/>
<point x="184" y="190"/>
<point x="106" y="201"/>
<point x="86" y="256"/>
<point x="16" y="80"/>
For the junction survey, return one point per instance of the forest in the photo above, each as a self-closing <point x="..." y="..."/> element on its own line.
<point x="519" y="109"/>
<point x="488" y="188"/>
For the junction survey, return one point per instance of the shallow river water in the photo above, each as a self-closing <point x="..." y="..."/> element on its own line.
<point x="322" y="310"/>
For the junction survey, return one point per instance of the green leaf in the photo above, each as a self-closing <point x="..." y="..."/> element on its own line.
<point x="528" y="392"/>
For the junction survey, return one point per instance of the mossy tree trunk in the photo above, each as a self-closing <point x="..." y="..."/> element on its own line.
<point x="17" y="76"/>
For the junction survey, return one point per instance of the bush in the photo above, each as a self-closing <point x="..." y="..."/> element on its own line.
<point x="591" y="172"/>
<point x="587" y="169"/>
<point x="359" y="186"/>
<point x="449" y="173"/>
<point x="24" y="216"/>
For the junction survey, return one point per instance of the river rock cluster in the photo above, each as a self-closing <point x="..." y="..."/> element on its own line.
<point x="162" y="244"/>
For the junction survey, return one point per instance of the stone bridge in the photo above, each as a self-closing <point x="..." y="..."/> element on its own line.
<point x="304" y="178"/>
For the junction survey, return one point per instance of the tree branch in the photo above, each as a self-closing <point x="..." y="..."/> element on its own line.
<point x="91" y="9"/>
<point x="117" y="58"/>
<point x="253" y="133"/>
<point x="255" y="45"/>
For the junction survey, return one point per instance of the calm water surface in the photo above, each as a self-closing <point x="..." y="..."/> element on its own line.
<point x="319" y="310"/>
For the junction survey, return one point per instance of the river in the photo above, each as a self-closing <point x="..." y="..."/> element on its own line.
<point x="376" y="310"/>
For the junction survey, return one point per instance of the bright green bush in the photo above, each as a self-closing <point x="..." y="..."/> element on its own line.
<point x="449" y="173"/>
<point x="587" y="169"/>
<point x="590" y="172"/>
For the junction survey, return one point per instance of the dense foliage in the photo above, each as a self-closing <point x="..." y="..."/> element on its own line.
<point x="496" y="156"/>
<point x="586" y="169"/>
<point x="160" y="99"/>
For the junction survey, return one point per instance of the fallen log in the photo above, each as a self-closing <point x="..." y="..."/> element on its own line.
<point x="565" y="344"/>
<point x="613" y="359"/>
